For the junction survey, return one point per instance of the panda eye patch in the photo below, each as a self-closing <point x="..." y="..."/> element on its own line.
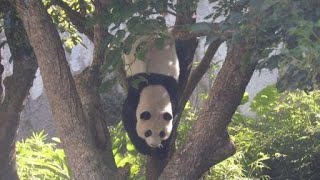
<point x="162" y="134"/>
<point x="148" y="133"/>
<point x="167" y="116"/>
<point x="145" y="115"/>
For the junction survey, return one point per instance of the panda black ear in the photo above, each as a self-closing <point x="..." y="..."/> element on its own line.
<point x="145" y="115"/>
<point x="167" y="116"/>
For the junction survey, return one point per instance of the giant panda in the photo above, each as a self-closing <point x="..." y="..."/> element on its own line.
<point x="152" y="98"/>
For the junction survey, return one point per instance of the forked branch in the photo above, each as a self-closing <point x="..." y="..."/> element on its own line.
<point x="76" y="18"/>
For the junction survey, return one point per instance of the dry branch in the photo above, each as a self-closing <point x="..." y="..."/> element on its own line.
<point x="76" y="18"/>
<point x="208" y="142"/>
<point x="197" y="74"/>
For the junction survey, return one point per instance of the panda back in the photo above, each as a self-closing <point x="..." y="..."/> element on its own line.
<point x="159" y="61"/>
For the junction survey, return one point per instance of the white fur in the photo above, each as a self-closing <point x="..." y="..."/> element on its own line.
<point x="154" y="98"/>
<point x="161" y="61"/>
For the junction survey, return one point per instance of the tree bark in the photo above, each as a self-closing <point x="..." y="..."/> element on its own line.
<point x="208" y="142"/>
<point x="76" y="18"/>
<point x="195" y="78"/>
<point x="185" y="51"/>
<point x="85" y="161"/>
<point x="88" y="83"/>
<point x="17" y="88"/>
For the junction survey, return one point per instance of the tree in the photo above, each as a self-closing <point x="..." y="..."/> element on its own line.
<point x="17" y="88"/>
<point x="252" y="29"/>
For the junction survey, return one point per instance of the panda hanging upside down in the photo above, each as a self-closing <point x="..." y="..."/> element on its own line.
<point x="152" y="98"/>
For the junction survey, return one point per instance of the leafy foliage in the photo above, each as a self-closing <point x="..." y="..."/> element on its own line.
<point x="282" y="142"/>
<point x="125" y="153"/>
<point x="38" y="159"/>
<point x="68" y="31"/>
<point x="293" y="24"/>
<point x="301" y="61"/>
<point x="188" y="118"/>
<point x="289" y="133"/>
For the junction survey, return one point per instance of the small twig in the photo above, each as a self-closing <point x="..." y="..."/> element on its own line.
<point x="76" y="18"/>
<point x="181" y="32"/>
<point x="82" y="5"/>
<point x="196" y="75"/>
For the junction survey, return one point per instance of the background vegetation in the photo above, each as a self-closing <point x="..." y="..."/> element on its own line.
<point x="281" y="142"/>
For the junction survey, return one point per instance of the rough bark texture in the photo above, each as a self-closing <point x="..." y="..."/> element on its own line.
<point x="17" y="88"/>
<point x="76" y="18"/>
<point x="185" y="51"/>
<point x="85" y="161"/>
<point x="88" y="83"/>
<point x="208" y="142"/>
<point x="196" y="76"/>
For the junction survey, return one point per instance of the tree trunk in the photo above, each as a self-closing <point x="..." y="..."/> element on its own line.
<point x="208" y="142"/>
<point x="85" y="161"/>
<point x="88" y="83"/>
<point x="17" y="88"/>
<point x="185" y="51"/>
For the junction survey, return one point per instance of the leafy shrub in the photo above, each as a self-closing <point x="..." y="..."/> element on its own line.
<point x="289" y="131"/>
<point x="37" y="159"/>
<point x="281" y="142"/>
<point x="188" y="117"/>
<point x="125" y="153"/>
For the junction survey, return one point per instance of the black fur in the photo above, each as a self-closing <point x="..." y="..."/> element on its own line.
<point x="136" y="84"/>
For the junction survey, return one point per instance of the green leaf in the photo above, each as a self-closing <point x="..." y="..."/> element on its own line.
<point x="129" y="41"/>
<point x="130" y="147"/>
<point x="136" y="82"/>
<point x="112" y="60"/>
<point x="141" y="51"/>
<point x="159" y="42"/>
<point x="200" y="27"/>
<point x="245" y="98"/>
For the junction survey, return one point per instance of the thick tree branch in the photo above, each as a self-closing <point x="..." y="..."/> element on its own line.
<point x="197" y="74"/>
<point x="86" y="162"/>
<point x="185" y="52"/>
<point x="17" y="89"/>
<point x="182" y="32"/>
<point x="208" y="142"/>
<point x="76" y="18"/>
<point x="88" y="83"/>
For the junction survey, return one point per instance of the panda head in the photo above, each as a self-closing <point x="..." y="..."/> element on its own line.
<point x="154" y="115"/>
